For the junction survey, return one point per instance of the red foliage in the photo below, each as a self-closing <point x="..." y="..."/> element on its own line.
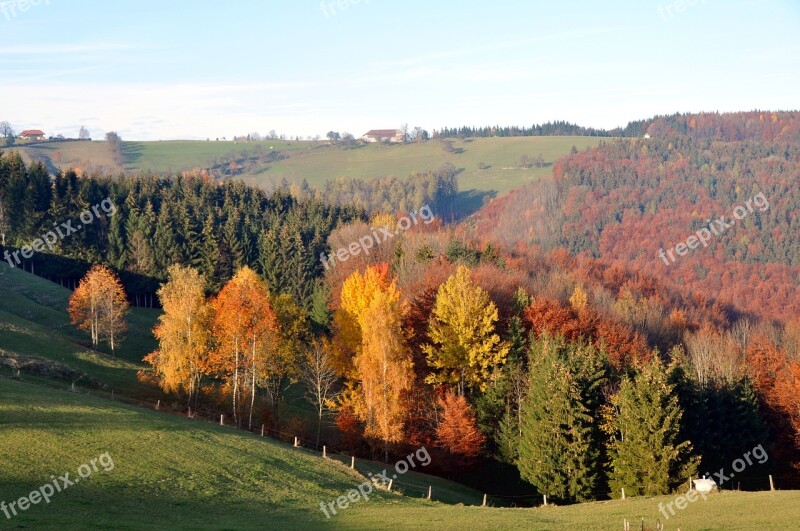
<point x="458" y="431"/>
<point x="351" y="430"/>
<point x="778" y="383"/>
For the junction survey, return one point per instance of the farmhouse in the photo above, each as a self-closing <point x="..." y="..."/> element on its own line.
<point x="32" y="134"/>
<point x="383" y="135"/>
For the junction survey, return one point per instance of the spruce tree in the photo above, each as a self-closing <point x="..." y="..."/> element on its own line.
<point x="556" y="450"/>
<point x="647" y="454"/>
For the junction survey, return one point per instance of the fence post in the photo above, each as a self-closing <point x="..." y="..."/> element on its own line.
<point x="324" y="451"/>
<point x="262" y="430"/>
<point x="545" y="499"/>
<point x="222" y="420"/>
<point x="430" y="491"/>
<point x="295" y="442"/>
<point x="484" y="500"/>
<point x="390" y="485"/>
<point x="158" y="405"/>
<point x="190" y="412"/>
<point x="771" y="484"/>
<point x="353" y="462"/>
<point x="623" y="493"/>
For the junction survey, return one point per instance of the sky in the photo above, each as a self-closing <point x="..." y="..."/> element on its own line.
<point x="196" y="69"/>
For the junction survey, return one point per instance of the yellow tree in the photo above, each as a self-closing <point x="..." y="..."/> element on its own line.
<point x="385" y="370"/>
<point x="99" y="305"/>
<point x="183" y="332"/>
<point x="465" y="349"/>
<point x="356" y="296"/>
<point x="245" y="332"/>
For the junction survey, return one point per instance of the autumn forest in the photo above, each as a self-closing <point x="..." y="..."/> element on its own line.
<point x="541" y="339"/>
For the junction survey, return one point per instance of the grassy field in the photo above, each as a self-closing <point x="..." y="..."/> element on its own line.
<point x="35" y="328"/>
<point x="176" y="473"/>
<point x="319" y="162"/>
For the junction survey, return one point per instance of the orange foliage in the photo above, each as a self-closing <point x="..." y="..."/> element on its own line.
<point x="778" y="383"/>
<point x="458" y="431"/>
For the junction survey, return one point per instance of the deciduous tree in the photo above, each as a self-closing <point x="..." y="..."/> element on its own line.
<point x="99" y="305"/>
<point x="245" y="332"/>
<point x="465" y="349"/>
<point x="183" y="332"/>
<point x="458" y="431"/>
<point x="385" y="370"/>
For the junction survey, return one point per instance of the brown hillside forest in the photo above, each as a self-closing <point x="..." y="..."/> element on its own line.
<point x="545" y="335"/>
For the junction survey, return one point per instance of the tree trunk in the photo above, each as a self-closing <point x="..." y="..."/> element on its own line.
<point x="236" y="384"/>
<point x="253" y="388"/>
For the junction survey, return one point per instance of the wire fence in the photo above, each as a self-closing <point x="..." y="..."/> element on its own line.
<point x="365" y="467"/>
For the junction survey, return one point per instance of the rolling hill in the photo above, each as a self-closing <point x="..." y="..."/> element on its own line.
<point x="489" y="165"/>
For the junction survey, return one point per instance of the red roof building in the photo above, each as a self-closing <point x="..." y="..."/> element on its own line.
<point x="32" y="134"/>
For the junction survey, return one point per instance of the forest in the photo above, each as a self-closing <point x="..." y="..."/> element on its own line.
<point x="542" y="334"/>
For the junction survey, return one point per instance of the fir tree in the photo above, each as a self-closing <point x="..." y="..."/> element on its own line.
<point x="647" y="454"/>
<point x="556" y="453"/>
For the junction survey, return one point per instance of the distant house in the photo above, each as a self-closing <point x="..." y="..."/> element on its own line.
<point x="383" y="135"/>
<point x="32" y="134"/>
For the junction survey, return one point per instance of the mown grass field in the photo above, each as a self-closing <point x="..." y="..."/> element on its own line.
<point x="35" y="326"/>
<point x="176" y="473"/>
<point x="319" y="162"/>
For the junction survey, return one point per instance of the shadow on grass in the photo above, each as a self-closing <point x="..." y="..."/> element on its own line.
<point x="131" y="153"/>
<point x="466" y="203"/>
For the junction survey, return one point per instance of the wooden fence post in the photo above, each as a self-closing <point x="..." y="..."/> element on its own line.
<point x="158" y="405"/>
<point x="295" y="442"/>
<point x="430" y="491"/>
<point x="324" y="451"/>
<point x="771" y="484"/>
<point x="545" y="499"/>
<point x="390" y="485"/>
<point x="484" y="500"/>
<point x="262" y="430"/>
<point x="190" y="412"/>
<point x="353" y="462"/>
<point x="222" y="420"/>
<point x="623" y="493"/>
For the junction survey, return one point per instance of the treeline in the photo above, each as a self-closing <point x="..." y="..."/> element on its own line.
<point x="767" y="126"/>
<point x="436" y="188"/>
<point x="783" y="126"/>
<point x="558" y="128"/>
<point x="215" y="227"/>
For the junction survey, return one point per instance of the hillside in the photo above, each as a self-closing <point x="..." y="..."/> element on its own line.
<point x="175" y="473"/>
<point x="319" y="162"/>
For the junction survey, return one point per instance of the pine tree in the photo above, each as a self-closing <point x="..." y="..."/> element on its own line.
<point x="557" y="453"/>
<point x="646" y="452"/>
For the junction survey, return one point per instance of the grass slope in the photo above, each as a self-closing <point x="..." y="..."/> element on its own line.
<point x="319" y="162"/>
<point x="35" y="329"/>
<point x="175" y="473"/>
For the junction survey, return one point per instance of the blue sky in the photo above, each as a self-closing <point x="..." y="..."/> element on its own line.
<point x="195" y="69"/>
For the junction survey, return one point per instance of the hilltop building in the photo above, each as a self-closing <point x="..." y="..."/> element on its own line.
<point x="32" y="134"/>
<point x="383" y="135"/>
